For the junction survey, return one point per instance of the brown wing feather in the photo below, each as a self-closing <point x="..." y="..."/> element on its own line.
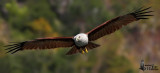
<point x="43" y="43"/>
<point x="74" y="50"/>
<point x="117" y="23"/>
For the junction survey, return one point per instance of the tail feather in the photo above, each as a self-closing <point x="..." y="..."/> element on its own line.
<point x="92" y="45"/>
<point x="76" y="49"/>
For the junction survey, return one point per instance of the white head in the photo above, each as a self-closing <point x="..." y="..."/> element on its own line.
<point x="81" y="39"/>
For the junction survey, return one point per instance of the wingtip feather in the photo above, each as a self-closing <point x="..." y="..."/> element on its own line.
<point x="13" y="48"/>
<point x="142" y="13"/>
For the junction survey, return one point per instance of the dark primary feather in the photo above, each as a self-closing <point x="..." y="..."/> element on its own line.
<point x="141" y="13"/>
<point x="112" y="25"/>
<point x="44" y="43"/>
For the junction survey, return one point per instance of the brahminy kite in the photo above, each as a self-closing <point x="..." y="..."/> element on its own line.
<point x="82" y="42"/>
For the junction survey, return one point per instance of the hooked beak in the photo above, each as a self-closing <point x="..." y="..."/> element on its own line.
<point x="77" y="39"/>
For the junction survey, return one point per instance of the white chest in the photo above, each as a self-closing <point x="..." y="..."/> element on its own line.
<point x="81" y="39"/>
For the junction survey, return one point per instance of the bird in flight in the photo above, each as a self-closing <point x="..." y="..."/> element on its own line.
<point x="81" y="42"/>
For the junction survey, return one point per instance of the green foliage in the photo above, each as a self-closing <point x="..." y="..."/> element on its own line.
<point x="17" y="15"/>
<point x="40" y="9"/>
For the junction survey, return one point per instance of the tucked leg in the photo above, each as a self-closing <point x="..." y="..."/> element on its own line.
<point x="86" y="50"/>
<point x="82" y="51"/>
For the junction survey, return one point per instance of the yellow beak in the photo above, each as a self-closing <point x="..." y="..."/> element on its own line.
<point x="77" y="39"/>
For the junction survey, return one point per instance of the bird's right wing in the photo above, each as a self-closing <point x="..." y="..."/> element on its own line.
<point x="44" y="43"/>
<point x="112" y="25"/>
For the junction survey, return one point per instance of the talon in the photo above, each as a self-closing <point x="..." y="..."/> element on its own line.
<point x="86" y="50"/>
<point x="82" y="52"/>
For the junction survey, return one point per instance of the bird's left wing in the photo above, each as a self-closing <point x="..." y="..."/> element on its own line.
<point x="117" y="23"/>
<point x="43" y="43"/>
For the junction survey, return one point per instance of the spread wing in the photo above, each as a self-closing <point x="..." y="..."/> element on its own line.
<point x="43" y="43"/>
<point x="112" y="25"/>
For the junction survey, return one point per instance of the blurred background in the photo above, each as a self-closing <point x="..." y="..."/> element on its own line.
<point x="120" y="52"/>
